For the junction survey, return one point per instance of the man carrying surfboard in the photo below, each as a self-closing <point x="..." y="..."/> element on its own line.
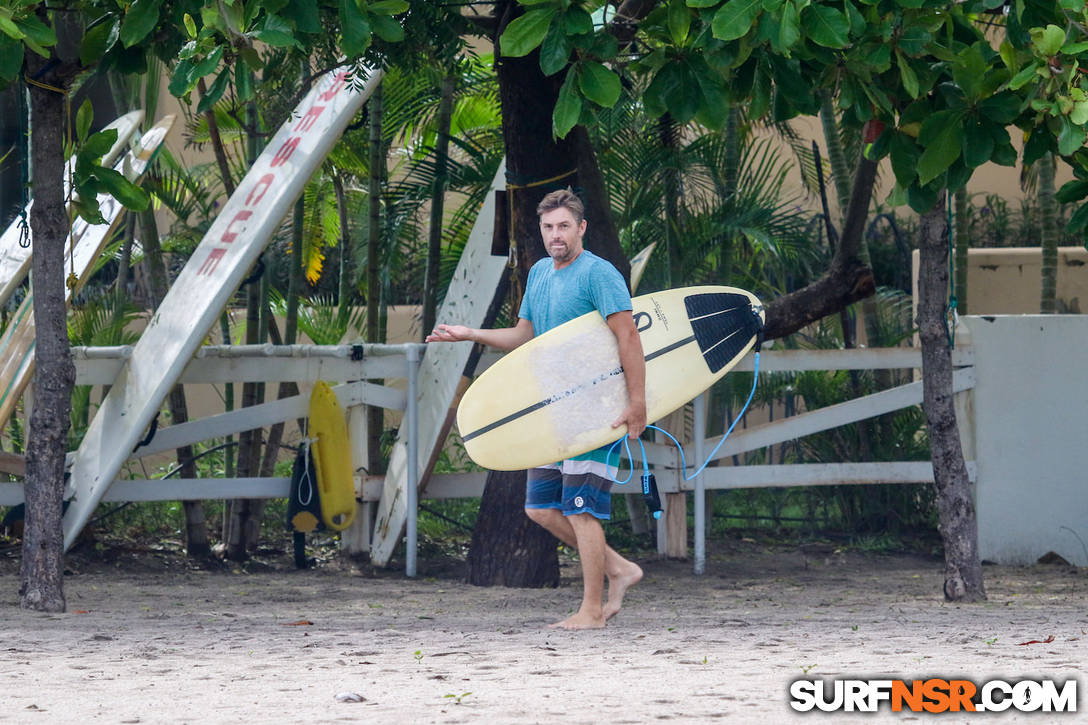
<point x="571" y="497"/>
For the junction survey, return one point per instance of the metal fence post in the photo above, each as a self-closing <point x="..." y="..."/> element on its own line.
<point x="700" y="484"/>
<point x="413" y="354"/>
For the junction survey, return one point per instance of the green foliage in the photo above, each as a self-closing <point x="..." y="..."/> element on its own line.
<point x="744" y="230"/>
<point x="928" y="71"/>
<point x="96" y="322"/>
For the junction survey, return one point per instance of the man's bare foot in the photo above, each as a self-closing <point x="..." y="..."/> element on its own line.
<point x="618" y="586"/>
<point x="579" y="620"/>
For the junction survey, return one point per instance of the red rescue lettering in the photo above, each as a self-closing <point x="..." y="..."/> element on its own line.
<point x="229" y="236"/>
<point x="283" y="153"/>
<point x="337" y="84"/>
<point x="307" y="122"/>
<point x="259" y="189"/>
<point x="212" y="261"/>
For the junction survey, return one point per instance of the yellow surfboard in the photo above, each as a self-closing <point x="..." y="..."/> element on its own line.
<point x="332" y="458"/>
<point x="557" y="395"/>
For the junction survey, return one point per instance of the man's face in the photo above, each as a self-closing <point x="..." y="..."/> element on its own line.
<point x="562" y="235"/>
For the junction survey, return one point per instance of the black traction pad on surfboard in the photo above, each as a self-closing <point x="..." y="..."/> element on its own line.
<point x="723" y="323"/>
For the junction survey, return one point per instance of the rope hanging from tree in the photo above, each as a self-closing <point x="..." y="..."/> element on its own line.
<point x="512" y="260"/>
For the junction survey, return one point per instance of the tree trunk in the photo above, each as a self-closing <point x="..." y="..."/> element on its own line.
<point x="41" y="573"/>
<point x="510" y="550"/>
<point x="438" y="197"/>
<point x="962" y="244"/>
<point x="228" y="406"/>
<point x="346" y="284"/>
<point x="847" y="280"/>
<point x="217" y="143"/>
<point x="955" y="497"/>
<point x="1048" y="234"/>
<point x="245" y="513"/>
<point x="375" y="414"/>
<point x="197" y="544"/>
<point x="836" y="156"/>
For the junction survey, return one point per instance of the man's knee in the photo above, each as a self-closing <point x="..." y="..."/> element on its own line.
<point x="584" y="520"/>
<point x="540" y="516"/>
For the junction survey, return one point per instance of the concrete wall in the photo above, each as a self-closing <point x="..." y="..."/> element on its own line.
<point x="1030" y="423"/>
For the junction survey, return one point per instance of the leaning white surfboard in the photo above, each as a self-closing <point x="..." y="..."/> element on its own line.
<point x="467" y="299"/>
<point x="214" y="271"/>
<point x="14" y="257"/>
<point x="83" y="247"/>
<point x="638" y="265"/>
<point x="557" y="395"/>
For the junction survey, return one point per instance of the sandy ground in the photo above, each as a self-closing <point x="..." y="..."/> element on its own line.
<point x="147" y="639"/>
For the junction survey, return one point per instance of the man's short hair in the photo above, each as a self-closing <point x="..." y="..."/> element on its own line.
<point x="562" y="199"/>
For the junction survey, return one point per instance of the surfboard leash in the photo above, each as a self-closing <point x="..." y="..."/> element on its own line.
<point x="649" y="484"/>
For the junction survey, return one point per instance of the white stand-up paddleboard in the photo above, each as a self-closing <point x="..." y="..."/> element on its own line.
<point x="14" y="257"/>
<point x="83" y="247"/>
<point x="467" y="300"/>
<point x="557" y="395"/>
<point x="219" y="264"/>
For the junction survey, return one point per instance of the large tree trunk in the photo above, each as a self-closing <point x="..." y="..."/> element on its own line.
<point x="508" y="549"/>
<point x="41" y="573"/>
<point x="955" y="498"/>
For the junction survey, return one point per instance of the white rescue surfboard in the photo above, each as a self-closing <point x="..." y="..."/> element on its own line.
<point x="557" y="395"/>
<point x="84" y="244"/>
<point x="213" y="273"/>
<point x="14" y="257"/>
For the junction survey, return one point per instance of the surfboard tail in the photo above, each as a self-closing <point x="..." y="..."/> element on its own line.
<point x="724" y="324"/>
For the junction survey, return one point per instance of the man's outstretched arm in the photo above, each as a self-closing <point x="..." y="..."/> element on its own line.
<point x="506" y="338"/>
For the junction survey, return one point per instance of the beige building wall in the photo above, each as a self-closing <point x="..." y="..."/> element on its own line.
<point x="1008" y="281"/>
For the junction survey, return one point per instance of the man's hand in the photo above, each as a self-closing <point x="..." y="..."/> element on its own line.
<point x="634" y="415"/>
<point x="450" y="333"/>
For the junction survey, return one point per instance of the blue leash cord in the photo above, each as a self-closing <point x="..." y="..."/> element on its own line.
<point x="649" y="483"/>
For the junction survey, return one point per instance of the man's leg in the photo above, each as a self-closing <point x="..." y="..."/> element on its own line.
<point x="622" y="573"/>
<point x="590" y="539"/>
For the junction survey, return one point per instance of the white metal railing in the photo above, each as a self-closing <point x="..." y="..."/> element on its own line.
<point x="260" y="363"/>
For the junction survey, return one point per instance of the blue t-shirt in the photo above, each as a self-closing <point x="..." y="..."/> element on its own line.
<point x="554" y="296"/>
